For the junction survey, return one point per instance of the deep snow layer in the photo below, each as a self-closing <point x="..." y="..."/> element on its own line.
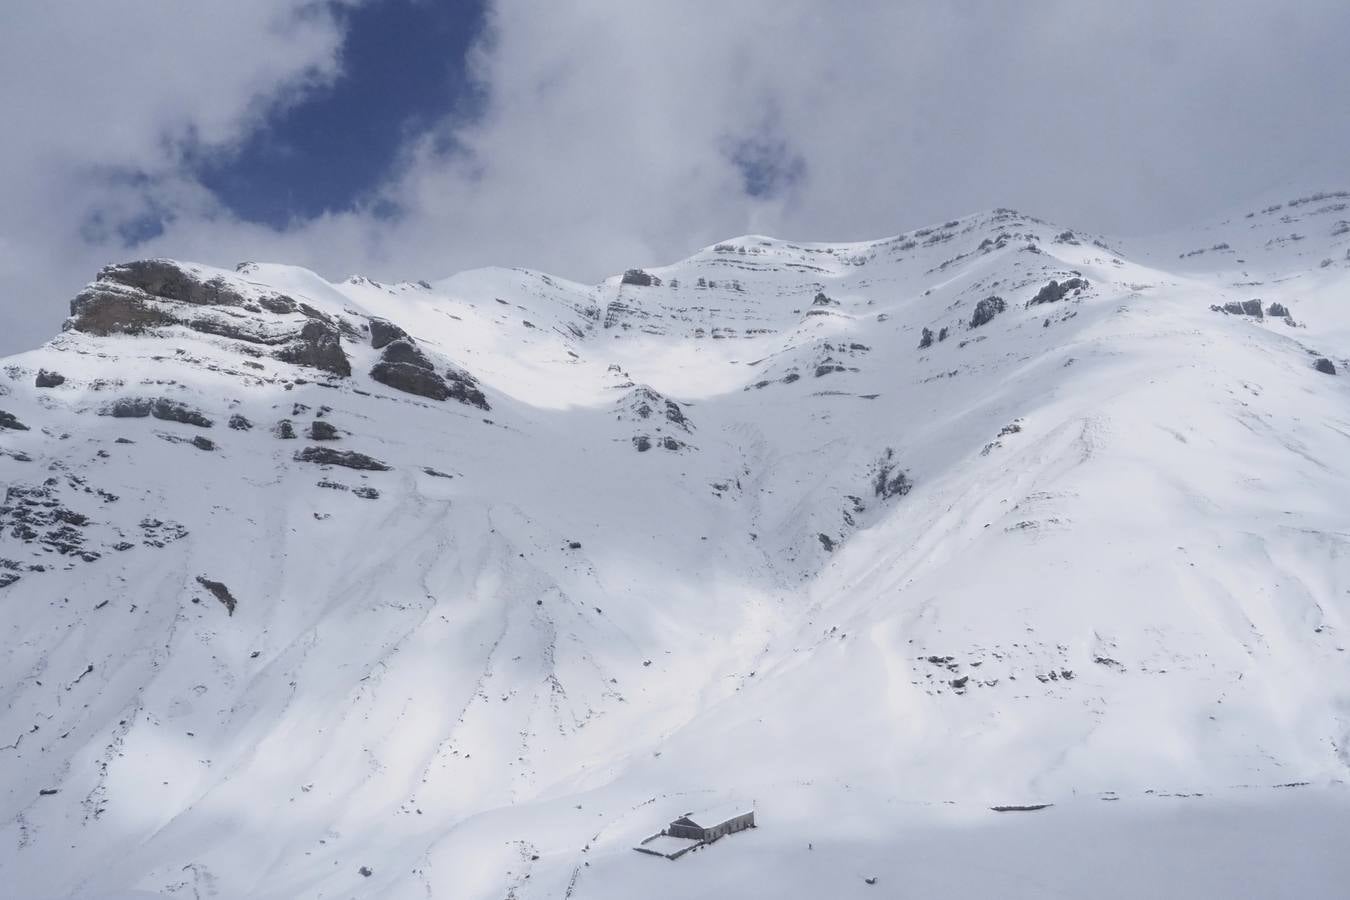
<point x="774" y="524"/>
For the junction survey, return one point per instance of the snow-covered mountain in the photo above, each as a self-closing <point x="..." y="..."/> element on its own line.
<point x="460" y="589"/>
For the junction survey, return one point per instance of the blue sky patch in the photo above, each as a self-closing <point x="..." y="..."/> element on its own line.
<point x="403" y="70"/>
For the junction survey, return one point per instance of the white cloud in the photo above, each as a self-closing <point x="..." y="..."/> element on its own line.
<point x="609" y="129"/>
<point x="99" y="89"/>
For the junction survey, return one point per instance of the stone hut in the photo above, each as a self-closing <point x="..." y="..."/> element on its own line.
<point x="712" y="824"/>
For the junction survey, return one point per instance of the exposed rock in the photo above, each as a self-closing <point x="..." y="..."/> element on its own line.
<point x="403" y="351"/>
<point x="826" y="541"/>
<point x="926" y="340"/>
<point x="411" y="379"/>
<point x="220" y="592"/>
<point x="284" y="430"/>
<point x="640" y="278"/>
<point x="279" y="304"/>
<point x="383" y="332"/>
<point x="1325" y="366"/>
<point x="159" y="407"/>
<point x="464" y="388"/>
<point x="642" y="443"/>
<point x="320" y="430"/>
<point x="100" y="311"/>
<point x="202" y="442"/>
<point x="986" y="309"/>
<point x="822" y="300"/>
<point x="888" y="482"/>
<point x="48" y="379"/>
<point x="1278" y="311"/>
<point x="319" y="346"/>
<point x="1252" y="308"/>
<point x="8" y="420"/>
<point x="366" y="493"/>
<point x="239" y="423"/>
<point x="165" y="278"/>
<point x="942" y="334"/>
<point x="1056" y="291"/>
<point x="327" y="456"/>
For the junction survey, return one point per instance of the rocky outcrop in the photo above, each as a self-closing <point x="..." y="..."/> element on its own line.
<point x="926" y="340"/>
<point x="411" y="379"/>
<point x="48" y="379"/>
<point x="166" y="278"/>
<point x="138" y="297"/>
<point x="384" y="332"/>
<point x="102" y="311"/>
<point x="239" y="423"/>
<point x="404" y="367"/>
<point x="159" y="407"/>
<point x="404" y="351"/>
<point x="1325" y="366"/>
<point x="1248" y="308"/>
<point x="1056" y="291"/>
<point x="464" y="388"/>
<point x="640" y="278"/>
<point x="327" y="456"/>
<point x="220" y="592"/>
<point x="319" y="430"/>
<point x="889" y="480"/>
<point x="10" y="421"/>
<point x="986" y="309"/>
<point x="318" y="346"/>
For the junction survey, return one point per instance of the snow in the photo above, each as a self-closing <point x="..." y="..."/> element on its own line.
<point x="1133" y="605"/>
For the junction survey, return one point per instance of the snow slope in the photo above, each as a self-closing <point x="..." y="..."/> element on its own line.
<point x="775" y="524"/>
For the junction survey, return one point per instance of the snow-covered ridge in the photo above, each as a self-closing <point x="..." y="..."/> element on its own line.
<point x="474" y="583"/>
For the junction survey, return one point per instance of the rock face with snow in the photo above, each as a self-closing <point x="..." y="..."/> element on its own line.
<point x="482" y="581"/>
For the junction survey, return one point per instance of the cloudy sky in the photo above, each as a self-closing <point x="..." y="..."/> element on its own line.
<point x="414" y="138"/>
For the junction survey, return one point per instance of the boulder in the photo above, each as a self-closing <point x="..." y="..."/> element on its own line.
<point x="403" y="351"/>
<point x="220" y="592"/>
<point x="1325" y="366"/>
<point x="9" y="421"/>
<point x="320" y="430"/>
<point x="1056" y="291"/>
<point x="384" y="332"/>
<point x="327" y="456"/>
<point x="47" y="379"/>
<point x="926" y="340"/>
<point x="159" y="407"/>
<point x="411" y="379"/>
<point x="986" y="309"/>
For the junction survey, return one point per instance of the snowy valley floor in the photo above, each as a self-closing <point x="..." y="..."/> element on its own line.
<point x="1234" y="843"/>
